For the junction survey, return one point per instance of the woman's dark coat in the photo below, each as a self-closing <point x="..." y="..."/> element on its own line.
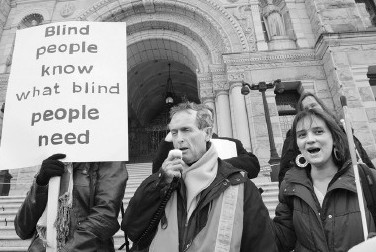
<point x="303" y="225"/>
<point x="101" y="185"/>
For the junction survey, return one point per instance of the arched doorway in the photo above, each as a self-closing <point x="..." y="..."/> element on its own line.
<point x="192" y="36"/>
<point x="148" y="112"/>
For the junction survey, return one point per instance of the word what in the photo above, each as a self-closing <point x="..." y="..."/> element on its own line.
<point x="37" y="92"/>
<point x="65" y="114"/>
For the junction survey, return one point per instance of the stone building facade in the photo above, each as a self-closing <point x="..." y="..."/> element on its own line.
<point x="322" y="46"/>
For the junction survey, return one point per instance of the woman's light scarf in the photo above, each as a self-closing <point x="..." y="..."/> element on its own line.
<point x="64" y="208"/>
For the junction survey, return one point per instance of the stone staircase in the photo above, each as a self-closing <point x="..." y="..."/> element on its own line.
<point x="9" y="241"/>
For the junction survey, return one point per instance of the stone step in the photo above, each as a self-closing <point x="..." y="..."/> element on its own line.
<point x="12" y="240"/>
<point x="7" y="218"/>
<point x="16" y="203"/>
<point x="24" y="249"/>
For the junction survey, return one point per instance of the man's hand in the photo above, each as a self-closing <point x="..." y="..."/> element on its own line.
<point x="51" y="167"/>
<point x="172" y="167"/>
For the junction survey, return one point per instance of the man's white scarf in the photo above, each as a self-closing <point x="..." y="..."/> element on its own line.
<point x="199" y="176"/>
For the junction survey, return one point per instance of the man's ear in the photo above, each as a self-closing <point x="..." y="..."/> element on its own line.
<point x="208" y="133"/>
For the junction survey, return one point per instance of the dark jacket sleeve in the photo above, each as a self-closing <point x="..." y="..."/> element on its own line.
<point x="246" y="161"/>
<point x="142" y="207"/>
<point x="102" y="222"/>
<point x="283" y="226"/>
<point x="363" y="153"/>
<point x="162" y="153"/>
<point x="257" y="227"/>
<point x="288" y="156"/>
<point x="30" y="211"/>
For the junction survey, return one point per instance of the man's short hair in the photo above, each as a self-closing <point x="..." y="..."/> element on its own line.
<point x="204" y="117"/>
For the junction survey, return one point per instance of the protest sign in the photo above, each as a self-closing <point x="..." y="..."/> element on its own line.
<point x="225" y="148"/>
<point x="67" y="93"/>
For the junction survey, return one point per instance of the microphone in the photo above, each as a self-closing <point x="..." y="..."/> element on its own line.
<point x="175" y="153"/>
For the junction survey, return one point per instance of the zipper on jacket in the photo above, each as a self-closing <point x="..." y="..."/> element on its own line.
<point x="187" y="221"/>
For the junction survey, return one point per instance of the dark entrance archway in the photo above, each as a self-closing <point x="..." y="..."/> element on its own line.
<point x="148" y="112"/>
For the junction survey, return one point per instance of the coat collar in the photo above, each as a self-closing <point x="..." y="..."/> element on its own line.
<point x="227" y="175"/>
<point x="343" y="179"/>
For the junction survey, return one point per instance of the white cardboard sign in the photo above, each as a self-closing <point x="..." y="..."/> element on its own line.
<point x="67" y="93"/>
<point x="225" y="148"/>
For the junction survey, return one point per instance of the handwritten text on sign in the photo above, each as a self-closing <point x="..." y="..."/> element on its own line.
<point x="67" y="93"/>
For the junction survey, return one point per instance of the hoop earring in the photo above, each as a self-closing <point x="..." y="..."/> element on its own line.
<point x="336" y="153"/>
<point x="300" y="164"/>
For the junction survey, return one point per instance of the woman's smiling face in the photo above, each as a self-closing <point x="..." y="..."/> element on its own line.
<point x="314" y="141"/>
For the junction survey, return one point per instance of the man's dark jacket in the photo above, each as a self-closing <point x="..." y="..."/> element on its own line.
<point x="257" y="231"/>
<point x="245" y="160"/>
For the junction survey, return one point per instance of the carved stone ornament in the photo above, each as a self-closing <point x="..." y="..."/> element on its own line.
<point x="236" y="77"/>
<point x="67" y="9"/>
<point x="206" y="93"/>
<point x="221" y="85"/>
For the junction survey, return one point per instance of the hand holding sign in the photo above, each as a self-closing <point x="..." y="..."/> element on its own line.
<point x="51" y="167"/>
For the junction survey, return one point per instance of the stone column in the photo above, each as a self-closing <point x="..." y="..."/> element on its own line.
<point x="296" y="19"/>
<point x="261" y="43"/>
<point x="222" y="104"/>
<point x="241" y="126"/>
<point x="211" y="103"/>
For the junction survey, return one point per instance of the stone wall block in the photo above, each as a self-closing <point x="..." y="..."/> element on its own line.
<point x="369" y="47"/>
<point x="348" y="84"/>
<point x="340" y="59"/>
<point x="262" y="150"/>
<point x="371" y="151"/>
<point x="322" y="87"/>
<point x="374" y="135"/>
<point x="362" y="132"/>
<point x="334" y="14"/>
<point x="353" y="100"/>
<point x="257" y="109"/>
<point x="344" y="74"/>
<point x="335" y="4"/>
<point x="276" y="132"/>
<point x="260" y="126"/>
<point x="366" y="94"/>
<point x="343" y="27"/>
<point x="371" y="115"/>
<point x="350" y="48"/>
<point x="273" y="111"/>
<point x="358" y="114"/>
<point x="362" y="58"/>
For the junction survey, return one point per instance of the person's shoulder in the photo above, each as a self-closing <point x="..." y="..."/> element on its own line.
<point x="228" y="171"/>
<point x="229" y="139"/>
